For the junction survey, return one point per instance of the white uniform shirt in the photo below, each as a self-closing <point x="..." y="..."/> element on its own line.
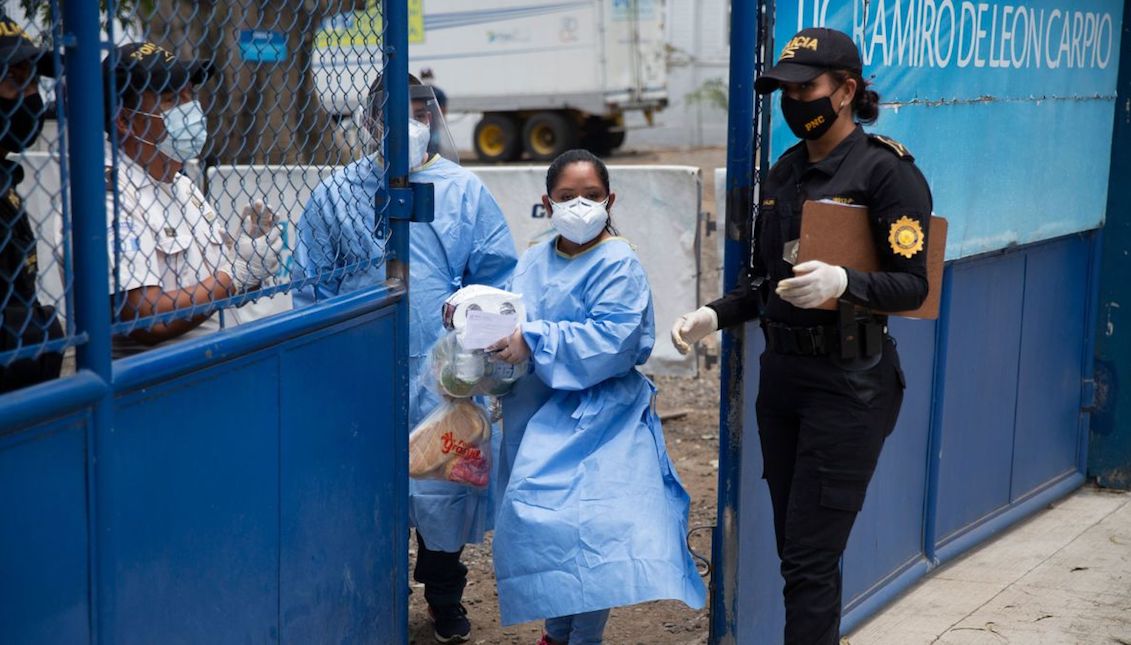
<point x="168" y="237"/>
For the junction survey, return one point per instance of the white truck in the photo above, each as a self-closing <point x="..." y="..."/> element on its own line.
<point x="546" y="75"/>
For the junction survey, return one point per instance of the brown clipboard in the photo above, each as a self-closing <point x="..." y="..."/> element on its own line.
<point x="842" y="235"/>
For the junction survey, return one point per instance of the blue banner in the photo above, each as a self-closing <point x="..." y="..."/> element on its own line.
<point x="1007" y="106"/>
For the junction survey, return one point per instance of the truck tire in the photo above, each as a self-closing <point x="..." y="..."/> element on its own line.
<point x="615" y="138"/>
<point x="548" y="134"/>
<point x="497" y="138"/>
<point x="602" y="135"/>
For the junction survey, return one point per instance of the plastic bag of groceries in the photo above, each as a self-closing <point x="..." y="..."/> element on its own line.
<point x="460" y="363"/>
<point x="463" y="373"/>
<point x="453" y="443"/>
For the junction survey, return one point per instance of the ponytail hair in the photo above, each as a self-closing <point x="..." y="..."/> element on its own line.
<point x="866" y="104"/>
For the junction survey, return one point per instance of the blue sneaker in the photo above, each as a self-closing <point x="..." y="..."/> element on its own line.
<point x="450" y="623"/>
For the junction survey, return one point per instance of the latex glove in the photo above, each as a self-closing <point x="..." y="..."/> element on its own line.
<point x="255" y="259"/>
<point x="512" y="349"/>
<point x="693" y="327"/>
<point x="257" y="219"/>
<point x="814" y="284"/>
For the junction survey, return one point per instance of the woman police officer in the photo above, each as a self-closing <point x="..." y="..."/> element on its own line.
<point x="830" y="385"/>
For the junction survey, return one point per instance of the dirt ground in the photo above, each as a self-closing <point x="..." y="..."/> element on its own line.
<point x="692" y="435"/>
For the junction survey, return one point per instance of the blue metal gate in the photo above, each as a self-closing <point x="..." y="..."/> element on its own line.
<point x="248" y="485"/>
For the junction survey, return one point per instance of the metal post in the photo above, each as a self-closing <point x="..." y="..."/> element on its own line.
<point x="1109" y="456"/>
<point x="88" y="187"/>
<point x="88" y="183"/>
<point x="395" y="70"/>
<point x="745" y="23"/>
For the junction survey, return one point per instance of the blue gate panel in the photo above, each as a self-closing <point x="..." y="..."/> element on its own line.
<point x="1052" y="348"/>
<point x="188" y="509"/>
<point x="43" y="534"/>
<point x="888" y="534"/>
<point x="759" y="580"/>
<point x="341" y="501"/>
<point x="980" y="390"/>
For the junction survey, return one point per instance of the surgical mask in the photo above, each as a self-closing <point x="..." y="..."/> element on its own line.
<point x="579" y="220"/>
<point x="808" y="119"/>
<point x="186" y="131"/>
<point x="25" y="120"/>
<point x="418" y="137"/>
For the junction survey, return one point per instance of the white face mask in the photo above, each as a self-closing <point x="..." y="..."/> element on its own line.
<point x="579" y="220"/>
<point x="186" y="131"/>
<point x="418" y="137"/>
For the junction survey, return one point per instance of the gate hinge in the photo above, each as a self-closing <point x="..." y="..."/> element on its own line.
<point x="1088" y="395"/>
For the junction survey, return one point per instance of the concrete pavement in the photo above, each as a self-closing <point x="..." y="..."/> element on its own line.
<point x="1063" y="577"/>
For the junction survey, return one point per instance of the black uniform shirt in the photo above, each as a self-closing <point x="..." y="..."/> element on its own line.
<point x="865" y="170"/>
<point x="17" y="241"/>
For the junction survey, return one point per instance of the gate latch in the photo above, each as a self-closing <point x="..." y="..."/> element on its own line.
<point x="416" y="203"/>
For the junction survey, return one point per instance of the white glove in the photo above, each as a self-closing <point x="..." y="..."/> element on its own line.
<point x="255" y="259"/>
<point x="814" y="284"/>
<point x="257" y="219"/>
<point x="693" y="327"/>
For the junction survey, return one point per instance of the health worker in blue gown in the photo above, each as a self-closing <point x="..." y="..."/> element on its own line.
<point x="341" y="247"/>
<point x="593" y="515"/>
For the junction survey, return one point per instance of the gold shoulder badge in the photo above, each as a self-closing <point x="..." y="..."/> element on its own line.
<point x="13" y="199"/>
<point x="898" y="147"/>
<point x="906" y="237"/>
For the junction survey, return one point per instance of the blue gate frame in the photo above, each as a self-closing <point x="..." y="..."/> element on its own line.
<point x="212" y="491"/>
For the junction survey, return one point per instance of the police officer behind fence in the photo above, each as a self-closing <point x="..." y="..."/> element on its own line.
<point x="172" y="250"/>
<point x="24" y="322"/>
<point x="830" y="385"/>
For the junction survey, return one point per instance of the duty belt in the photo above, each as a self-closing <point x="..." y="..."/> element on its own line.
<point x="864" y="339"/>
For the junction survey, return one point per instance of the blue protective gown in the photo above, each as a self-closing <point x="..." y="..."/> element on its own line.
<point x="593" y="514"/>
<point x="468" y="243"/>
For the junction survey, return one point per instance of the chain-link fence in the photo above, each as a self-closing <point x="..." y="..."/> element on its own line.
<point x="244" y="168"/>
<point x="36" y="281"/>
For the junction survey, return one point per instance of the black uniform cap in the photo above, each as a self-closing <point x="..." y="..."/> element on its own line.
<point x="138" y="67"/>
<point x="16" y="46"/>
<point x="807" y="55"/>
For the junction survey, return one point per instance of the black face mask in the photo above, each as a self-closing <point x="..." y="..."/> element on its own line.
<point x="25" y="120"/>
<point x="808" y="119"/>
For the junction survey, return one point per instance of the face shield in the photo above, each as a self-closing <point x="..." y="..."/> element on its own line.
<point x="428" y="133"/>
<point x="426" y="111"/>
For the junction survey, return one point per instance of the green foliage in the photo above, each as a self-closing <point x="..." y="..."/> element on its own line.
<point x="713" y="92"/>
<point x="125" y="11"/>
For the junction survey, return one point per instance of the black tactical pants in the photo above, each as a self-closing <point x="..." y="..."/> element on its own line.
<point x="821" y="426"/>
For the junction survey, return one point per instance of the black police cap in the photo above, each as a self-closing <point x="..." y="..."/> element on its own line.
<point x="807" y="55"/>
<point x="16" y="46"/>
<point x="138" y="67"/>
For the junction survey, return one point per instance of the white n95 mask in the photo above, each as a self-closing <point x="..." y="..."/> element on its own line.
<point x="579" y="220"/>
<point x="418" y="137"/>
